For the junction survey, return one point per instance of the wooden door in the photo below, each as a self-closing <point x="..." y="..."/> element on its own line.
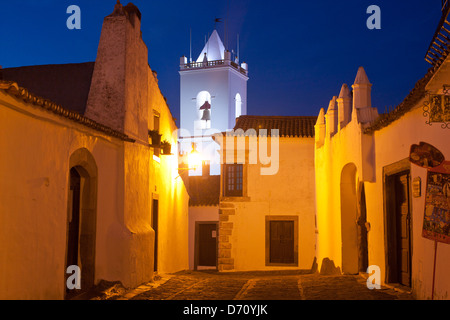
<point x="155" y="213"/>
<point x="403" y="233"/>
<point x="207" y="245"/>
<point x="282" y="242"/>
<point x="73" y="236"/>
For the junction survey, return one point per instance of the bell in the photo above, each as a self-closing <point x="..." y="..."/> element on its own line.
<point x="206" y="115"/>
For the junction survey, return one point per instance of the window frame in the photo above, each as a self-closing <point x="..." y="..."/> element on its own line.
<point x="233" y="176"/>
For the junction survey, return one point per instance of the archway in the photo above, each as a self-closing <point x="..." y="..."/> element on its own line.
<point x="238" y="101"/>
<point x="204" y="109"/>
<point x="81" y="218"/>
<point x="349" y="215"/>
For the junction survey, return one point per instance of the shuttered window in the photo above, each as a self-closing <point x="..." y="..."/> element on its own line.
<point x="233" y="180"/>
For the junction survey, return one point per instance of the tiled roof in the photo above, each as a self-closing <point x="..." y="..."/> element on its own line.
<point x="203" y="190"/>
<point x="419" y="91"/>
<point x="13" y="89"/>
<point x="288" y="126"/>
<point x="65" y="84"/>
<point x="413" y="98"/>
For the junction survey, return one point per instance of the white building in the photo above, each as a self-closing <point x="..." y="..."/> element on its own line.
<point x="213" y="93"/>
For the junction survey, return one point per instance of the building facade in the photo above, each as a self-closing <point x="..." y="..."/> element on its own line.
<point x="373" y="201"/>
<point x="267" y="202"/>
<point x="82" y="182"/>
<point x="213" y="93"/>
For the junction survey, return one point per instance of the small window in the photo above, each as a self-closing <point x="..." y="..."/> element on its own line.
<point x="204" y="110"/>
<point x="238" y="101"/>
<point x="233" y="180"/>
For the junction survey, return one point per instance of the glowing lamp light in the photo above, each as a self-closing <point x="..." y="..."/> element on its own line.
<point x="194" y="158"/>
<point x="194" y="161"/>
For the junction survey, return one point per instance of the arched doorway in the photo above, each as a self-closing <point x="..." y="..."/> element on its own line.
<point x="349" y="215"/>
<point x="81" y="219"/>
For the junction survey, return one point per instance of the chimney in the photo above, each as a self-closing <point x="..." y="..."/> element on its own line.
<point x="227" y="55"/>
<point x="119" y="88"/>
<point x="183" y="62"/>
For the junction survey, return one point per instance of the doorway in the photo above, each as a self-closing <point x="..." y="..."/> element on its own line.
<point x="349" y="216"/>
<point x="398" y="227"/>
<point x="73" y="236"/>
<point x="206" y="235"/>
<point x="81" y="222"/>
<point x="363" y="260"/>
<point x="155" y="216"/>
<point x="281" y="240"/>
<point x="81" y="229"/>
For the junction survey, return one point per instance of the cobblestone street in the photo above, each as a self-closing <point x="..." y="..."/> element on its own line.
<point x="294" y="285"/>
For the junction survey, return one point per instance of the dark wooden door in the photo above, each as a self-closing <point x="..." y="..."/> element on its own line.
<point x="403" y="218"/>
<point x="155" y="213"/>
<point x="207" y="245"/>
<point x="73" y="236"/>
<point x="281" y="241"/>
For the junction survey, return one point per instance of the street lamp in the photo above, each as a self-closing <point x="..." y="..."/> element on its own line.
<point x="194" y="160"/>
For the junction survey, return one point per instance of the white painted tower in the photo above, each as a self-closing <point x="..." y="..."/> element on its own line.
<point x="213" y="93"/>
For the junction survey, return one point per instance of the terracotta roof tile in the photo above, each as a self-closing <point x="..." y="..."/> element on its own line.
<point x="288" y="126"/>
<point x="203" y="191"/>
<point x="65" y="84"/>
<point x="13" y="89"/>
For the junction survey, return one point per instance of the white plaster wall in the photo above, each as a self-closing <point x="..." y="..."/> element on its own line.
<point x="168" y="188"/>
<point x="389" y="149"/>
<point x="330" y="159"/>
<point x="391" y="144"/>
<point x="223" y="84"/>
<point x="34" y="179"/>
<point x="237" y="84"/>
<point x="289" y="193"/>
<point x="34" y="173"/>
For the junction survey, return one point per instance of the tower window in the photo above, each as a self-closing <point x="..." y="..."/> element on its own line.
<point x="204" y="110"/>
<point x="238" y="101"/>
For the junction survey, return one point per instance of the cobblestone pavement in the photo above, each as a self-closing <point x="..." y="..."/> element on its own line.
<point x="283" y="285"/>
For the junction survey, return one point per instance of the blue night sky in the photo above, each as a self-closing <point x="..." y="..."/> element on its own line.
<point x="299" y="52"/>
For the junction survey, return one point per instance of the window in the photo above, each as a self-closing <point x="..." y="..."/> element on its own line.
<point x="233" y="180"/>
<point x="204" y="110"/>
<point x="238" y="101"/>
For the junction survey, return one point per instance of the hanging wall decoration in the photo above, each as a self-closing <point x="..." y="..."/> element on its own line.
<point x="436" y="222"/>
<point x="437" y="108"/>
